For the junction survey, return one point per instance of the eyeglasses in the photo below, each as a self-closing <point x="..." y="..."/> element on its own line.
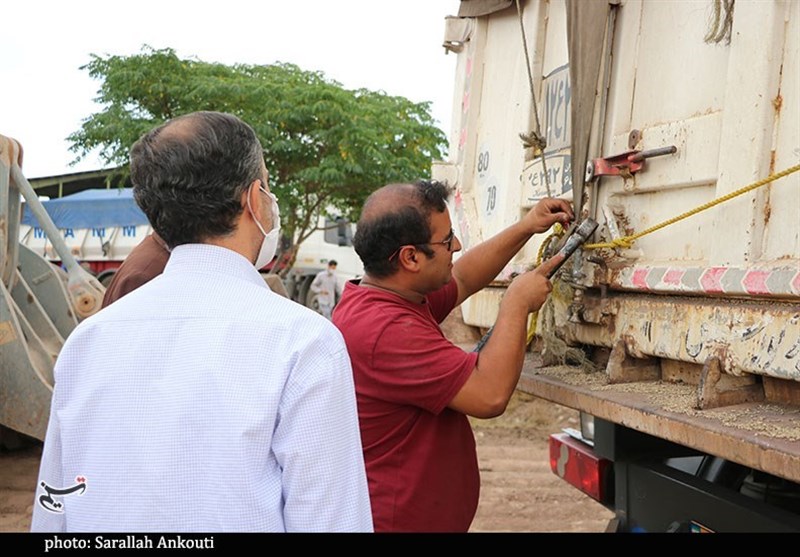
<point x="448" y="242"/>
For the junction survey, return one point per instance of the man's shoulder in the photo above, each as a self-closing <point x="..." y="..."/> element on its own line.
<point x="292" y="314"/>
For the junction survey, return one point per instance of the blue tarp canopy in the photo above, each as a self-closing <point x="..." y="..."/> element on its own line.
<point x="91" y="209"/>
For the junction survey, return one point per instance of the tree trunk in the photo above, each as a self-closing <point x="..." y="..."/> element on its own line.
<point x="288" y="259"/>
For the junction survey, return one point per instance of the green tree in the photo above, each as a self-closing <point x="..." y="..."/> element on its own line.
<point x="325" y="146"/>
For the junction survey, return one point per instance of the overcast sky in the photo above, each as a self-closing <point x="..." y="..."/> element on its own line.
<point x="393" y="46"/>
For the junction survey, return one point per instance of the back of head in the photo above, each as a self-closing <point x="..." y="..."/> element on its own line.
<point x="394" y="216"/>
<point x="189" y="175"/>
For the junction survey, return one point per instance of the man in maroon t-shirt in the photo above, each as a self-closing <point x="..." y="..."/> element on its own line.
<point x="145" y="262"/>
<point x="415" y="388"/>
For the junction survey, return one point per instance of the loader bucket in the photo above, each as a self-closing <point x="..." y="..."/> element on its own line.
<point x="35" y="318"/>
<point x="25" y="391"/>
<point x="37" y="307"/>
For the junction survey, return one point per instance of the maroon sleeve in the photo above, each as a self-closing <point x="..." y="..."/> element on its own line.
<point x="123" y="283"/>
<point x="145" y="262"/>
<point x="413" y="363"/>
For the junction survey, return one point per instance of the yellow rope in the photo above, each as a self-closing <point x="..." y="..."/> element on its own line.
<point x="558" y="231"/>
<point x="627" y="241"/>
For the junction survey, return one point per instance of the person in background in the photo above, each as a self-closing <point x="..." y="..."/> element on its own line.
<point x="192" y="403"/>
<point x="145" y="262"/>
<point x="326" y="286"/>
<point x="415" y="389"/>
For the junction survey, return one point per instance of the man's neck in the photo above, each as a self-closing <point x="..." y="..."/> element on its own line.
<point x="392" y="286"/>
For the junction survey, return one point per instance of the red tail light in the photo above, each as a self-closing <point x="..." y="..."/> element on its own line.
<point x="576" y="463"/>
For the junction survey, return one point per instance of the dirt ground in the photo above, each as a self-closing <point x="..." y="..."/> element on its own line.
<point x="519" y="493"/>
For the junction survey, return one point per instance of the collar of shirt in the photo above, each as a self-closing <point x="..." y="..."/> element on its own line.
<point x="206" y="258"/>
<point x="357" y="289"/>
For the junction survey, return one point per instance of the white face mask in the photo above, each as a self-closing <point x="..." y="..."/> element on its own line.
<point x="270" y="242"/>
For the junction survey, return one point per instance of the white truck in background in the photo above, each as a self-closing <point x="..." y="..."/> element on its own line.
<point x="332" y="241"/>
<point x="680" y="345"/>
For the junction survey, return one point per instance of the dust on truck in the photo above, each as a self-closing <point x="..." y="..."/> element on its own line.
<point x="675" y="331"/>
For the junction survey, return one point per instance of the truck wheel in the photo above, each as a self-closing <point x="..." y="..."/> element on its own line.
<point x="303" y="289"/>
<point x="105" y="277"/>
<point x="311" y="301"/>
<point x="306" y="296"/>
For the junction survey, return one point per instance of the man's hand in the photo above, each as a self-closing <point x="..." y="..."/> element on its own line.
<point x="531" y="288"/>
<point x="546" y="213"/>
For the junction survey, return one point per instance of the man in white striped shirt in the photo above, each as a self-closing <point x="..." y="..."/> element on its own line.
<point x="202" y="401"/>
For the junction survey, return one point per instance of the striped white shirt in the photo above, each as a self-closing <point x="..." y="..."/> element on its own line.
<point x="203" y="402"/>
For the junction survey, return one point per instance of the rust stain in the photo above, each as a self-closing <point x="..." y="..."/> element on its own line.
<point x="611" y="327"/>
<point x="777" y="102"/>
<point x="7" y="333"/>
<point x="10" y="151"/>
<point x="772" y="156"/>
<point x="624" y="223"/>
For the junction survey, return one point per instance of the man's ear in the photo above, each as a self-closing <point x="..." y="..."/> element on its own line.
<point x="408" y="258"/>
<point x="252" y="194"/>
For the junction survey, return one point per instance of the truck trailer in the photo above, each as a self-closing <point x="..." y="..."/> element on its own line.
<point x="675" y="329"/>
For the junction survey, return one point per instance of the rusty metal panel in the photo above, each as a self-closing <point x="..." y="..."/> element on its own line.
<point x="747" y="336"/>
<point x="741" y="123"/>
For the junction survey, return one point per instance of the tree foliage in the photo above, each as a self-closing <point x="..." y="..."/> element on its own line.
<point x="325" y="146"/>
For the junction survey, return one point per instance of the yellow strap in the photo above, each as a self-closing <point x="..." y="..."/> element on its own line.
<point x="627" y="241"/>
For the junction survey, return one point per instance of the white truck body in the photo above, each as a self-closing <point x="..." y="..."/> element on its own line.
<point x="714" y="294"/>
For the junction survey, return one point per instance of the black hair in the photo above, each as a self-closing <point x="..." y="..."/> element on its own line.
<point x="189" y="175"/>
<point x="380" y="233"/>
